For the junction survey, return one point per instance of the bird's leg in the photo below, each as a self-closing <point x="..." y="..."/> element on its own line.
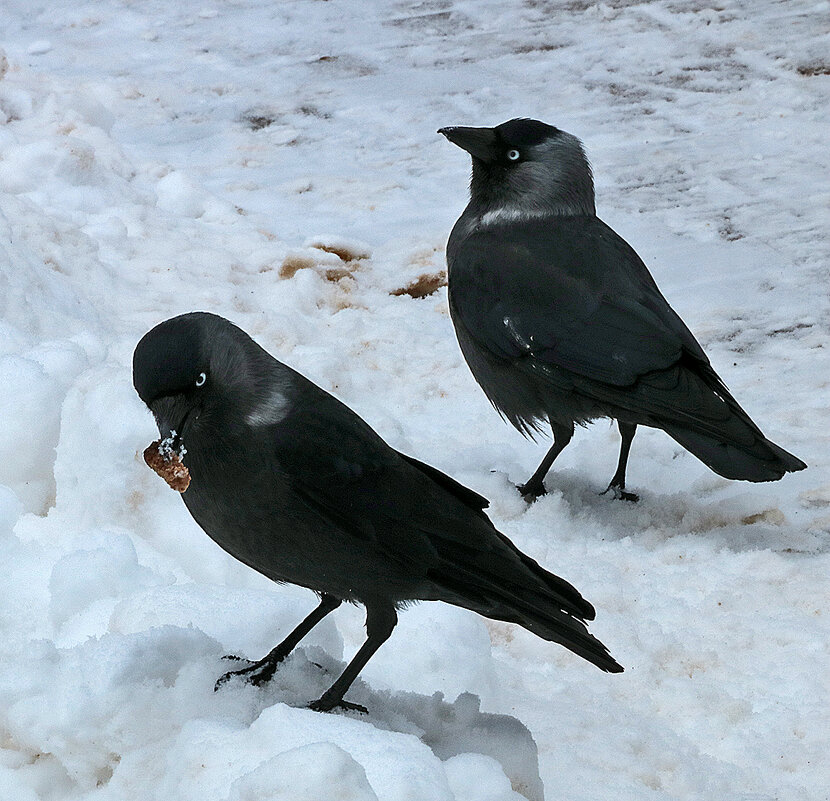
<point x="380" y="620"/>
<point x="535" y="485"/>
<point x="262" y="671"/>
<point x="617" y="485"/>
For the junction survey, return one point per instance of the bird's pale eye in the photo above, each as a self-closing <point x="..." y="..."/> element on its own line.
<point x="513" y="155"/>
<point x="200" y="381"/>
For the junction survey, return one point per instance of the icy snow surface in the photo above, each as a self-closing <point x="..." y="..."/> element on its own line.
<point x="277" y="163"/>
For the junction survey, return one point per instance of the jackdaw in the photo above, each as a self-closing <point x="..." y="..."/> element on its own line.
<point x="561" y="322"/>
<point x="291" y="482"/>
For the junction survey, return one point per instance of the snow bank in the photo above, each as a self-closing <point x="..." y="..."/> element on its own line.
<point x="136" y="714"/>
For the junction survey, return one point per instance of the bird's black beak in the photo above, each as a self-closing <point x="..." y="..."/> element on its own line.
<point x="478" y="142"/>
<point x="171" y="419"/>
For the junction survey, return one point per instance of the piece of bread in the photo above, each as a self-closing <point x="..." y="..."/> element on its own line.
<point x="167" y="463"/>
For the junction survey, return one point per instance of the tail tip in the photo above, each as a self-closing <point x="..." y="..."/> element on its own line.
<point x="612" y="666"/>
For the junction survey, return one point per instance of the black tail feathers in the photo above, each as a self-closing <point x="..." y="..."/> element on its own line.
<point x="763" y="461"/>
<point x="549" y="607"/>
<point x="722" y="435"/>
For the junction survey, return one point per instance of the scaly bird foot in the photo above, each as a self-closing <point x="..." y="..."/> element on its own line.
<point x="532" y="490"/>
<point x="323" y="705"/>
<point x="256" y="673"/>
<point x="620" y="494"/>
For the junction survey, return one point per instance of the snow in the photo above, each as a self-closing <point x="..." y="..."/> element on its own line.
<point x="278" y="163"/>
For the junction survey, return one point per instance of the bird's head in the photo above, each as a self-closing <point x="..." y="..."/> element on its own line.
<point x="198" y="371"/>
<point x="525" y="168"/>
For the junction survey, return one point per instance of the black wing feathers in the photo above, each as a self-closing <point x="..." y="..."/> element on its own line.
<point x="557" y="301"/>
<point x="472" y="499"/>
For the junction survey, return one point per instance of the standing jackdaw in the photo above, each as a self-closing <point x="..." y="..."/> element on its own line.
<point x="560" y="321"/>
<point x="294" y="484"/>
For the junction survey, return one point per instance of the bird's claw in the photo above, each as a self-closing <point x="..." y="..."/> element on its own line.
<point x="322" y="705"/>
<point x="256" y="673"/>
<point x="221" y="680"/>
<point x="620" y="494"/>
<point x="532" y="490"/>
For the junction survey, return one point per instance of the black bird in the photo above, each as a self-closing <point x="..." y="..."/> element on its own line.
<point x="294" y="484"/>
<point x="561" y="322"/>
